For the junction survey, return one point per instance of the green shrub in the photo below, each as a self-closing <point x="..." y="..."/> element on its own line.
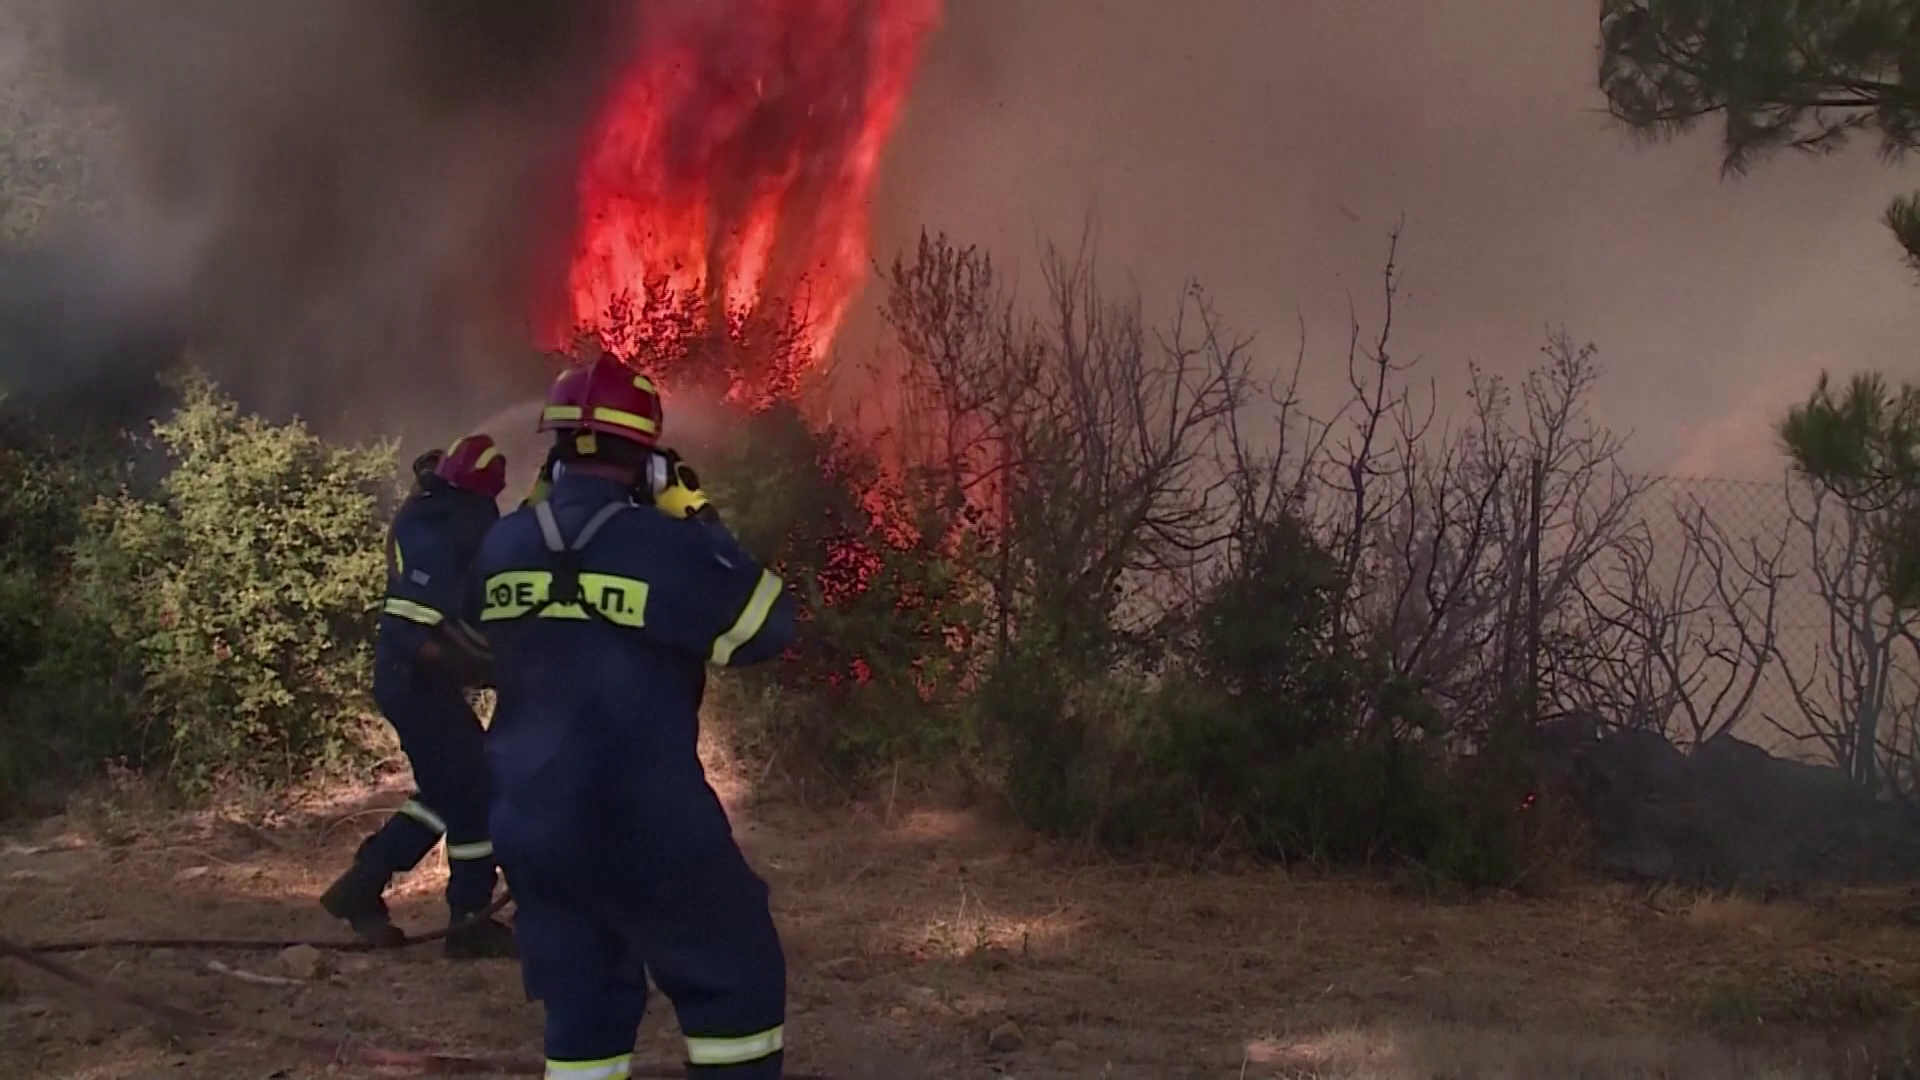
<point x="237" y="601"/>
<point x="46" y="483"/>
<point x="1174" y="766"/>
<point x="1264" y="732"/>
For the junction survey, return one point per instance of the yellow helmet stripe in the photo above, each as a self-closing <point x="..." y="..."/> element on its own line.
<point x="626" y="419"/>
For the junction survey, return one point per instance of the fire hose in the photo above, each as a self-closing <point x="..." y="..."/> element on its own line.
<point x="333" y="1052"/>
<point x="268" y="945"/>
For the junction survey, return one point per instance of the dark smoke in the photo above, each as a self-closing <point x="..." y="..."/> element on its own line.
<point x="349" y="207"/>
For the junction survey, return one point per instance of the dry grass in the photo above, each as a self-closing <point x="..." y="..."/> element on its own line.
<point x="1442" y="1053"/>
<point x="911" y="941"/>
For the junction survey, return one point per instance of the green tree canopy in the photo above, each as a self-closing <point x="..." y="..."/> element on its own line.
<point x="1802" y="75"/>
<point x="1862" y="442"/>
<point x="1776" y="74"/>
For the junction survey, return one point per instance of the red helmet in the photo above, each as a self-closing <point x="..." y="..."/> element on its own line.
<point x="473" y="463"/>
<point x="565" y="400"/>
<point x="607" y="397"/>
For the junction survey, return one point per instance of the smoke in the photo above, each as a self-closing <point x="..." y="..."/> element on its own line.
<point x="347" y="207"/>
<point x="1268" y="148"/>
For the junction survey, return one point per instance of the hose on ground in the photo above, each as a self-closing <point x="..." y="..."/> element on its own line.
<point x="335" y="1052"/>
<point x="271" y="944"/>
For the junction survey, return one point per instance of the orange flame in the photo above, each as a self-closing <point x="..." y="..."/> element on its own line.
<point x="723" y="195"/>
<point x="735" y="160"/>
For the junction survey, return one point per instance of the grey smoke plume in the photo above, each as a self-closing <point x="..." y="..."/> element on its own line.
<point x="1268" y="146"/>
<point x="350" y="207"/>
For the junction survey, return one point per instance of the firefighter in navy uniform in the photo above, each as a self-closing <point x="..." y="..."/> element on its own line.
<point x="425" y="658"/>
<point x="602" y="604"/>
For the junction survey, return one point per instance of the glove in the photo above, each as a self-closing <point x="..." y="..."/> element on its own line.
<point x="462" y="654"/>
<point x="681" y="497"/>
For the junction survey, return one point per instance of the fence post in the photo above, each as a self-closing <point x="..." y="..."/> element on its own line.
<point x="1511" y="641"/>
<point x="1536" y="498"/>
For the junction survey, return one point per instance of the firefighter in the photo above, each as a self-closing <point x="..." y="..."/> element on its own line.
<point x="602" y="605"/>
<point x="425" y="658"/>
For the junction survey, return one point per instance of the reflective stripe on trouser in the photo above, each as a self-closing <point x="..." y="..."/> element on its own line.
<point x="702" y="932"/>
<point x="467" y="852"/>
<point x="407" y="837"/>
<point x="738" y="1050"/>
<point x="424" y="814"/>
<point x="612" y="1068"/>
<point x="444" y="744"/>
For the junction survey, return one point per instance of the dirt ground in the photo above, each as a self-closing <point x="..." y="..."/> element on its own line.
<point x="912" y="941"/>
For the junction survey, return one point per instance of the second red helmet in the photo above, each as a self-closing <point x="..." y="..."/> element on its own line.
<point x="474" y="463"/>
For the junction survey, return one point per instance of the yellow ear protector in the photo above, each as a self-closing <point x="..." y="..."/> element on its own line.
<point x="673" y="485"/>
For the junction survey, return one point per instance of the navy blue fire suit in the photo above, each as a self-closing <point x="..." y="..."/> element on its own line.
<point x="622" y="859"/>
<point x="434" y="539"/>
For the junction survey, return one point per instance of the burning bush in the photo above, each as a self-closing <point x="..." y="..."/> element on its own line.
<point x="887" y="571"/>
<point x="893" y="614"/>
<point x="736" y="157"/>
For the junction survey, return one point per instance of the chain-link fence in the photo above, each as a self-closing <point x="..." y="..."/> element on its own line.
<point x="1754" y="608"/>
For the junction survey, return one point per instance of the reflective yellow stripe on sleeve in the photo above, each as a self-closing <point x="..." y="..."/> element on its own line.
<point x="752" y="618"/>
<point x="418" y="811"/>
<point x="412" y="612"/>
<point x="736" y="1051"/>
<point x="613" y="1068"/>
<point x="482" y="849"/>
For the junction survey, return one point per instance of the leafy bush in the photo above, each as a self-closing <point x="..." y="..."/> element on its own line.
<point x="236" y="602"/>
<point x="1254" y="738"/>
<point x="46" y="483"/>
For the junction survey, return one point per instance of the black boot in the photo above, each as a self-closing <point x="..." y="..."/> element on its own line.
<point x="479" y="939"/>
<point x="355" y="897"/>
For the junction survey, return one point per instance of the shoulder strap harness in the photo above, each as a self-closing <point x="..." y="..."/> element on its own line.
<point x="565" y="557"/>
